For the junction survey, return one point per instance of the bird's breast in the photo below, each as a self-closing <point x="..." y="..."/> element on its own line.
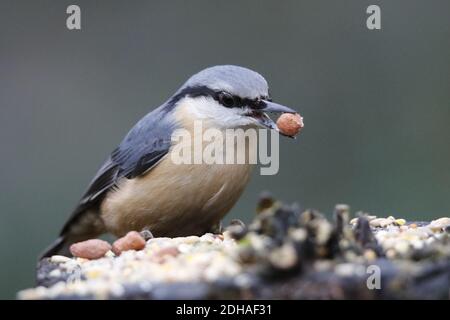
<point x="175" y="199"/>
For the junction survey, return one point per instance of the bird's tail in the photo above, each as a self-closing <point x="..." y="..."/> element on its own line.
<point x="59" y="247"/>
<point x="85" y="225"/>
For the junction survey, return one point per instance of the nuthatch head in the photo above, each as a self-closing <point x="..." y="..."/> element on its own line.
<point x="138" y="186"/>
<point x="230" y="96"/>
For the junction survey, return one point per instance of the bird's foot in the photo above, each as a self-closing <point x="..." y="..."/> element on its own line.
<point x="146" y="234"/>
<point x="216" y="228"/>
<point x="237" y="229"/>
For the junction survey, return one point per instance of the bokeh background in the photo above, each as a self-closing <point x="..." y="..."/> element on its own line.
<point x="376" y="103"/>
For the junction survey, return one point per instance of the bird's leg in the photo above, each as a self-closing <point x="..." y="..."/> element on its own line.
<point x="146" y="234"/>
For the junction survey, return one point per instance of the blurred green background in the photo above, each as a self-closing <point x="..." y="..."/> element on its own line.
<point x="376" y="103"/>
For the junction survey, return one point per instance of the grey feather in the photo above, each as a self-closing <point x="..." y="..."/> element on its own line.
<point x="236" y="80"/>
<point x="144" y="145"/>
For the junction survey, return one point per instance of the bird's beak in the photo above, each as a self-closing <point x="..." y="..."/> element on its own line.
<point x="263" y="119"/>
<point x="269" y="106"/>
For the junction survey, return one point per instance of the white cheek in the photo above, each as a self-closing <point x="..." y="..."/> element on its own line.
<point x="210" y="111"/>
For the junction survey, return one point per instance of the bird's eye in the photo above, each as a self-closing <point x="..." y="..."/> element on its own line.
<point x="227" y="100"/>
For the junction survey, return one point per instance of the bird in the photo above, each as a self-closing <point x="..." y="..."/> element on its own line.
<point x="138" y="187"/>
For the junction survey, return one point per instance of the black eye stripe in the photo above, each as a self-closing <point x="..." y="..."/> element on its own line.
<point x="220" y="96"/>
<point x="239" y="102"/>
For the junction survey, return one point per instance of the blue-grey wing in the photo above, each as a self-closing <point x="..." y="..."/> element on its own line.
<point x="141" y="149"/>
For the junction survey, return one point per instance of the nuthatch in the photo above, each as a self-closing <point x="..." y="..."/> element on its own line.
<point x="139" y="187"/>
